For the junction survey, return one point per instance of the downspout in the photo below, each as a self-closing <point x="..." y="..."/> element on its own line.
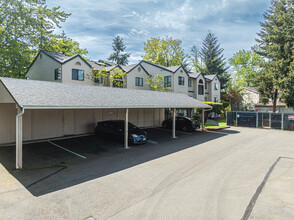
<point x="18" y="166"/>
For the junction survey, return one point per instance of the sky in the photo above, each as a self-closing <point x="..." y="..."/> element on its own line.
<point x="94" y="23"/>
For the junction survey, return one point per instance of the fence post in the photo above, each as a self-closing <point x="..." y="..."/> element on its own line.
<point x="256" y="119"/>
<point x="270" y="120"/>
<point x="262" y="120"/>
<point x="236" y="119"/>
<point x="282" y="123"/>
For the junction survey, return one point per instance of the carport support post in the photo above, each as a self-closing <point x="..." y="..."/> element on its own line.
<point x="127" y="129"/>
<point x="174" y="123"/>
<point x="18" y="152"/>
<point x="203" y="120"/>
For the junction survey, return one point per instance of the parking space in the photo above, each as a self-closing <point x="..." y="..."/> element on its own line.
<point x="77" y="149"/>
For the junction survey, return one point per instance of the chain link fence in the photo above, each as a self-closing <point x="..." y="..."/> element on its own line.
<point x="282" y="121"/>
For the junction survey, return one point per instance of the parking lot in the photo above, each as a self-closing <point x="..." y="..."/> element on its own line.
<point x="228" y="174"/>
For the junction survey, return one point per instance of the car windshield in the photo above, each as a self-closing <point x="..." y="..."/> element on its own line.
<point x="121" y="125"/>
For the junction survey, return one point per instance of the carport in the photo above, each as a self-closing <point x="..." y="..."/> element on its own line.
<point x="43" y="96"/>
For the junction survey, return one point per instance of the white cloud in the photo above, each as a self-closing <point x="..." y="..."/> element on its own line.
<point x="133" y="14"/>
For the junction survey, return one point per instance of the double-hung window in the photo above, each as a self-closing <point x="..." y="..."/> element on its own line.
<point x="139" y="81"/>
<point x="215" y="86"/>
<point x="167" y="81"/>
<point x="77" y="74"/>
<point x="57" y="74"/>
<point x="189" y="82"/>
<point x="181" y="81"/>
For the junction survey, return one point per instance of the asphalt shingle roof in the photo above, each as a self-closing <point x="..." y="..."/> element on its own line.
<point x="57" y="56"/>
<point x="209" y="77"/>
<point x="43" y="94"/>
<point x="194" y="75"/>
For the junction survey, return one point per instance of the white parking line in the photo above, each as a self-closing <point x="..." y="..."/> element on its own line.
<point x="56" y="145"/>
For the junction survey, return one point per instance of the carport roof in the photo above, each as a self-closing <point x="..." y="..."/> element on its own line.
<point x="33" y="94"/>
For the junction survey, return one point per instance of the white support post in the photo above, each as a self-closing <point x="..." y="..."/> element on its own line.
<point x="256" y="119"/>
<point x="203" y="120"/>
<point x="270" y="120"/>
<point x="174" y="123"/>
<point x="127" y="129"/>
<point x="282" y="122"/>
<point x="19" y="139"/>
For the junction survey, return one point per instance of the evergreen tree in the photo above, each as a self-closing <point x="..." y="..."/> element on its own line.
<point x="212" y="56"/>
<point x="119" y="56"/>
<point x="276" y="45"/>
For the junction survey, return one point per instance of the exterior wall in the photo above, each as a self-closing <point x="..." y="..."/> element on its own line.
<point x="5" y="97"/>
<point x="249" y="98"/>
<point x="43" y="68"/>
<point x="153" y="70"/>
<point x="43" y="124"/>
<point x="131" y="79"/>
<point x="67" y="71"/>
<point x="214" y="93"/>
<point x="200" y="97"/>
<point x="192" y="88"/>
<point x="179" y="88"/>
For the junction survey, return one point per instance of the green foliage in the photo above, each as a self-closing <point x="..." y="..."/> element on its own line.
<point x="276" y="45"/>
<point x="119" y="56"/>
<point x="245" y="65"/>
<point x="195" y="61"/>
<point x="27" y="26"/>
<point x="156" y="83"/>
<point x="264" y="100"/>
<point x="113" y="78"/>
<point x="213" y="59"/>
<point x="216" y="107"/>
<point x="166" y="51"/>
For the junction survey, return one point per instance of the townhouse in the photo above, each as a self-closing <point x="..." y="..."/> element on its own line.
<point x="49" y="66"/>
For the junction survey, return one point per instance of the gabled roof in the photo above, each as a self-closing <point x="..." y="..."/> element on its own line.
<point x="194" y="75"/>
<point x="61" y="58"/>
<point x="34" y="94"/>
<point x="210" y="77"/>
<point x="253" y="89"/>
<point x="107" y="63"/>
<point x="174" y="68"/>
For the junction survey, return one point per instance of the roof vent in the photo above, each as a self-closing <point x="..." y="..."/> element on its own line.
<point x="78" y="63"/>
<point x="139" y="69"/>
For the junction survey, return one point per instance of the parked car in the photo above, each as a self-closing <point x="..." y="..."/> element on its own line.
<point x="182" y="123"/>
<point x="115" y="129"/>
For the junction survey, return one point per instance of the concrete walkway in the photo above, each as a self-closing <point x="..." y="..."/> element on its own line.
<point x="230" y="174"/>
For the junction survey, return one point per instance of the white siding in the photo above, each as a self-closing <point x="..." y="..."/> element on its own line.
<point x="67" y="71"/>
<point x="7" y="123"/>
<point x="43" y="68"/>
<point x="180" y="88"/>
<point x="131" y="79"/>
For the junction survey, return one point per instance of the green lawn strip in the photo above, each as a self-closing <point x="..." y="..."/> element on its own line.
<point x="215" y="126"/>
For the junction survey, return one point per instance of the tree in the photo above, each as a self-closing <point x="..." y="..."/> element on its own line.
<point x="156" y="83"/>
<point x="26" y="26"/>
<point x="246" y="66"/>
<point x="212" y="56"/>
<point x="233" y="97"/>
<point x="276" y="45"/>
<point x="195" y="61"/>
<point x="113" y="78"/>
<point x="65" y="45"/>
<point x="166" y="51"/>
<point x="119" y="56"/>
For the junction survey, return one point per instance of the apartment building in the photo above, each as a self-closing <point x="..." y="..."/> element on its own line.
<point x="55" y="67"/>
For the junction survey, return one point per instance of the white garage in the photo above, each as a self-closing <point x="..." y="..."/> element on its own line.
<point x="35" y="110"/>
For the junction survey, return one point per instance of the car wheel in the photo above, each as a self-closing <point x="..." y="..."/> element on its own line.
<point x="164" y="125"/>
<point x="184" y="128"/>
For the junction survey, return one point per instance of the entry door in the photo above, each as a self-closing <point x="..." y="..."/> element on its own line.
<point x="68" y="122"/>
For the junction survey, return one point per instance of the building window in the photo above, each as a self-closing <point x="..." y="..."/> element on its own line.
<point x="167" y="81"/>
<point x="215" y="86"/>
<point x="57" y="74"/>
<point x="215" y="99"/>
<point x="181" y="81"/>
<point x="189" y="82"/>
<point x="200" y="87"/>
<point x="139" y="81"/>
<point x="77" y="74"/>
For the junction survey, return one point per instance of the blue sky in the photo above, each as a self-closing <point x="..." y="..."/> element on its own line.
<point x="94" y="23"/>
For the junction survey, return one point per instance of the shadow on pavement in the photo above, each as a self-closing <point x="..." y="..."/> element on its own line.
<point x="48" y="168"/>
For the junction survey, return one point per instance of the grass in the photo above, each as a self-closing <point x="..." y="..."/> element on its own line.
<point x="216" y="126"/>
<point x="222" y="122"/>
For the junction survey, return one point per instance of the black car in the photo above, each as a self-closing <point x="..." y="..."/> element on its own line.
<point x="115" y="129"/>
<point x="182" y="123"/>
